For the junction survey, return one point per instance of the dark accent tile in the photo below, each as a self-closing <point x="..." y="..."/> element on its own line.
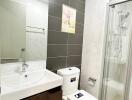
<point x="51" y="9"/>
<point x="75" y="38"/>
<point x="55" y="10"/>
<point x="54" y="23"/>
<point x="74" y="60"/>
<point x="79" y="28"/>
<point x="77" y="4"/>
<point x="60" y="2"/>
<point x="74" y="49"/>
<point x="80" y="17"/>
<point x="83" y="1"/>
<point x="51" y="1"/>
<point x="57" y="37"/>
<point x="56" y="63"/>
<point x="54" y="71"/>
<point x="78" y="66"/>
<point x="73" y="3"/>
<point x="57" y="50"/>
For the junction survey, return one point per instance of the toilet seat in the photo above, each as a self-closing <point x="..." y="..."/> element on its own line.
<point x="79" y="95"/>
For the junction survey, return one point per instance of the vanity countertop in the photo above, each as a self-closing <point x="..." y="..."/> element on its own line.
<point x="49" y="80"/>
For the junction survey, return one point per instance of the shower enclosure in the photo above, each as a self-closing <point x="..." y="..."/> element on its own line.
<point x="116" y="81"/>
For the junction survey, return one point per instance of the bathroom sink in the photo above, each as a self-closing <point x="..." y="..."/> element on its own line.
<point x="22" y="79"/>
<point x="17" y="86"/>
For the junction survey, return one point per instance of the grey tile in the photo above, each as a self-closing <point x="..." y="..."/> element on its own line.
<point x="51" y="9"/>
<point x="74" y="60"/>
<point x="55" y="10"/>
<point x="81" y="7"/>
<point x="56" y="63"/>
<point x="57" y="37"/>
<point x="80" y="17"/>
<point x="54" y="23"/>
<point x="51" y="1"/>
<point x="79" y="28"/>
<point x="59" y="2"/>
<point x="77" y="4"/>
<point x="57" y="50"/>
<point x="78" y="66"/>
<point x="75" y="38"/>
<point x="74" y="50"/>
<point x="73" y="3"/>
<point x="83" y="1"/>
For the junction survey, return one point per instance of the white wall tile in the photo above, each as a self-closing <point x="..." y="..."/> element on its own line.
<point x="95" y="13"/>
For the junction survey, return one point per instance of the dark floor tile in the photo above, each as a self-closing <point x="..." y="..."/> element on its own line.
<point x="57" y="50"/>
<point x="56" y="63"/>
<point x="57" y="37"/>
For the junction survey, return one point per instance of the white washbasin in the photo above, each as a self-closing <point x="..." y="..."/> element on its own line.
<point x="15" y="86"/>
<point x="22" y="79"/>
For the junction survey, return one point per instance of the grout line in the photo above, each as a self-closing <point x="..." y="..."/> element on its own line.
<point x="55" y="17"/>
<point x="66" y="44"/>
<point x="58" y="57"/>
<point x="67" y="50"/>
<point x="65" y="32"/>
<point x="74" y="55"/>
<point x="66" y="56"/>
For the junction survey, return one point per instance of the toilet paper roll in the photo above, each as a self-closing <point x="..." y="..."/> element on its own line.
<point x="91" y="83"/>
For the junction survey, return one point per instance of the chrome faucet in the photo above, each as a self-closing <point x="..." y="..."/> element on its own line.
<point x="24" y="67"/>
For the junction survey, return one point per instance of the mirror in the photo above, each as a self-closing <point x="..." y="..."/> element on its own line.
<point x="23" y="30"/>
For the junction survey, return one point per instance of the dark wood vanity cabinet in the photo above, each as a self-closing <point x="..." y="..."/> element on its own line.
<point x="53" y="94"/>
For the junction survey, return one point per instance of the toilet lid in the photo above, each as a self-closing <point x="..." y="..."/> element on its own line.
<point x="81" y="95"/>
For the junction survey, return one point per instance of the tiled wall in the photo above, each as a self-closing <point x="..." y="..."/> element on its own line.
<point x="64" y="49"/>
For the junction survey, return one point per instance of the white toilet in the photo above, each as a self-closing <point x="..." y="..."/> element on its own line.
<point x="70" y="85"/>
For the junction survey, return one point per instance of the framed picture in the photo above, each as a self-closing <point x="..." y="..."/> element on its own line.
<point x="68" y="19"/>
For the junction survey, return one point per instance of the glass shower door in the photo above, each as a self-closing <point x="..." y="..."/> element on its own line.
<point x="117" y="51"/>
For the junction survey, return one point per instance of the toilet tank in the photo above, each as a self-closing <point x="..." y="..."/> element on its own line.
<point x="70" y="79"/>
